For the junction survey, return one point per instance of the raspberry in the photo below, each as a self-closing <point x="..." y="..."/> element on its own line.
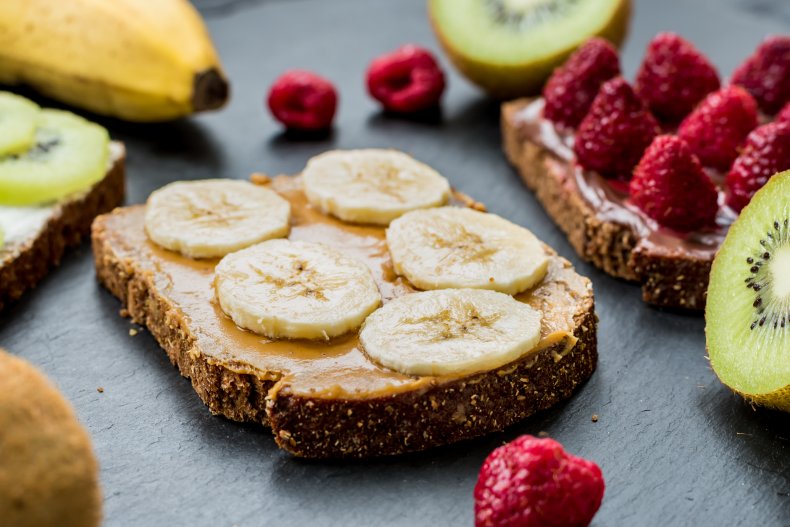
<point x="533" y="482"/>
<point x="302" y="100"/>
<point x="406" y="80"/>
<point x="671" y="187"/>
<point x="674" y="77"/>
<point x="573" y="86"/>
<point x="766" y="74"/>
<point x="767" y="152"/>
<point x="615" y="132"/>
<point x="784" y="115"/>
<point x="719" y="125"/>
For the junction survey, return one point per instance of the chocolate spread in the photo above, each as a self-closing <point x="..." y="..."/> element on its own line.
<point x="613" y="205"/>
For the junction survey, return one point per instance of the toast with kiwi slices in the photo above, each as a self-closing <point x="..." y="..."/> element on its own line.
<point x="359" y="309"/>
<point x="57" y="173"/>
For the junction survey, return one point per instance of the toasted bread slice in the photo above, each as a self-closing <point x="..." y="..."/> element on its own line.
<point x="670" y="277"/>
<point x="328" y="399"/>
<point x="43" y="234"/>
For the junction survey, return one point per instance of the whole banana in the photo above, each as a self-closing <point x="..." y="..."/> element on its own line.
<point x="139" y="60"/>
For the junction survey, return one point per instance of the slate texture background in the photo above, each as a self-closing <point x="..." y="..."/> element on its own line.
<point x="675" y="446"/>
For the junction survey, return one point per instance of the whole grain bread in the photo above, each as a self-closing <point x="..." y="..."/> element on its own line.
<point x="23" y="266"/>
<point x="669" y="278"/>
<point x="340" y="423"/>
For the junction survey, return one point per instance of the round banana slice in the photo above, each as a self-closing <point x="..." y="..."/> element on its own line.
<point x="214" y="217"/>
<point x="453" y="247"/>
<point x="372" y="186"/>
<point x="452" y="331"/>
<point x="295" y="289"/>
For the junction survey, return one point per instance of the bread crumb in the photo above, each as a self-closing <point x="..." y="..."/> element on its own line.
<point x="124" y="313"/>
<point x="132" y="332"/>
<point x="543" y="434"/>
<point x="594" y="418"/>
<point x="100" y="389"/>
<point x="259" y="178"/>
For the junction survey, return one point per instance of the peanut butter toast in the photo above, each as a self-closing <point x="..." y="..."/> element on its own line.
<point x="332" y="396"/>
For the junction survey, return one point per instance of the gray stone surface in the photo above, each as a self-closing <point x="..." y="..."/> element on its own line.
<point x="676" y="447"/>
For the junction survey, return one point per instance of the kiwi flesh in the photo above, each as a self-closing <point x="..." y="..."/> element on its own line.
<point x="510" y="47"/>
<point x="48" y="472"/>
<point x="69" y="155"/>
<point x="748" y="307"/>
<point x="18" y="123"/>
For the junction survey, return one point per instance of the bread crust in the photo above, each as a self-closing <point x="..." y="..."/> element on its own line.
<point x="436" y="413"/>
<point x="69" y="224"/>
<point x="669" y="278"/>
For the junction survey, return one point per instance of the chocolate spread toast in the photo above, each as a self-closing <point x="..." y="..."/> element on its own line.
<point x="617" y="239"/>
<point x="328" y="398"/>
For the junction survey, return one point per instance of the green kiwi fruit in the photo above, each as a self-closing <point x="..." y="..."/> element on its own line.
<point x="748" y="308"/>
<point x="69" y="155"/>
<point x="48" y="472"/>
<point x="18" y="122"/>
<point x="510" y="47"/>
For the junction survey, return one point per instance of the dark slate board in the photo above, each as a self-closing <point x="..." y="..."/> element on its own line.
<point x="675" y="446"/>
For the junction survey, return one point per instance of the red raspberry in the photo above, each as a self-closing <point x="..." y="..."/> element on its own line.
<point x="767" y="152"/>
<point x="674" y="77"/>
<point x="406" y="80"/>
<point x="766" y="74"/>
<point x="784" y="115"/>
<point x="671" y="187"/>
<point x="615" y="132"/>
<point x="533" y="482"/>
<point x="719" y="125"/>
<point x="302" y="100"/>
<point x="570" y="91"/>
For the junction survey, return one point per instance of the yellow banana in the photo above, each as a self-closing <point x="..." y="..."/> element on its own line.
<point x="140" y="60"/>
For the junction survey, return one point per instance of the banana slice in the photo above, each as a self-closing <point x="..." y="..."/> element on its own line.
<point x="372" y="186"/>
<point x="453" y="247"/>
<point x="214" y="217"/>
<point x="295" y="289"/>
<point x="452" y="331"/>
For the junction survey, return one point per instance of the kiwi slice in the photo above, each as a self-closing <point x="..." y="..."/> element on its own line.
<point x="18" y="122"/>
<point x="69" y="155"/>
<point x="748" y="308"/>
<point x="510" y="47"/>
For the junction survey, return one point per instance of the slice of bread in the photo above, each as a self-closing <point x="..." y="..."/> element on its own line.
<point x="670" y="277"/>
<point x="41" y="235"/>
<point x="328" y="399"/>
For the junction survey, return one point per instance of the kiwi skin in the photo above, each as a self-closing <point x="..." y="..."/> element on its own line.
<point x="48" y="473"/>
<point x="527" y="80"/>
<point x="778" y="399"/>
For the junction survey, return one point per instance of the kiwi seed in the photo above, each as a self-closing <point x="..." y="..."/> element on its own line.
<point x="772" y="309"/>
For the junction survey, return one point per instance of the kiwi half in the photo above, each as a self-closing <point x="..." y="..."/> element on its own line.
<point x="18" y="123"/>
<point x="48" y="472"/>
<point x="69" y="155"/>
<point x="510" y="47"/>
<point x="748" y="308"/>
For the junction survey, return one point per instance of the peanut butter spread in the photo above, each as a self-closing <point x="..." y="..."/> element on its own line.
<point x="337" y="368"/>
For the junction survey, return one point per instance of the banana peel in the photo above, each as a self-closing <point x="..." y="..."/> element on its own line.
<point x="138" y="60"/>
